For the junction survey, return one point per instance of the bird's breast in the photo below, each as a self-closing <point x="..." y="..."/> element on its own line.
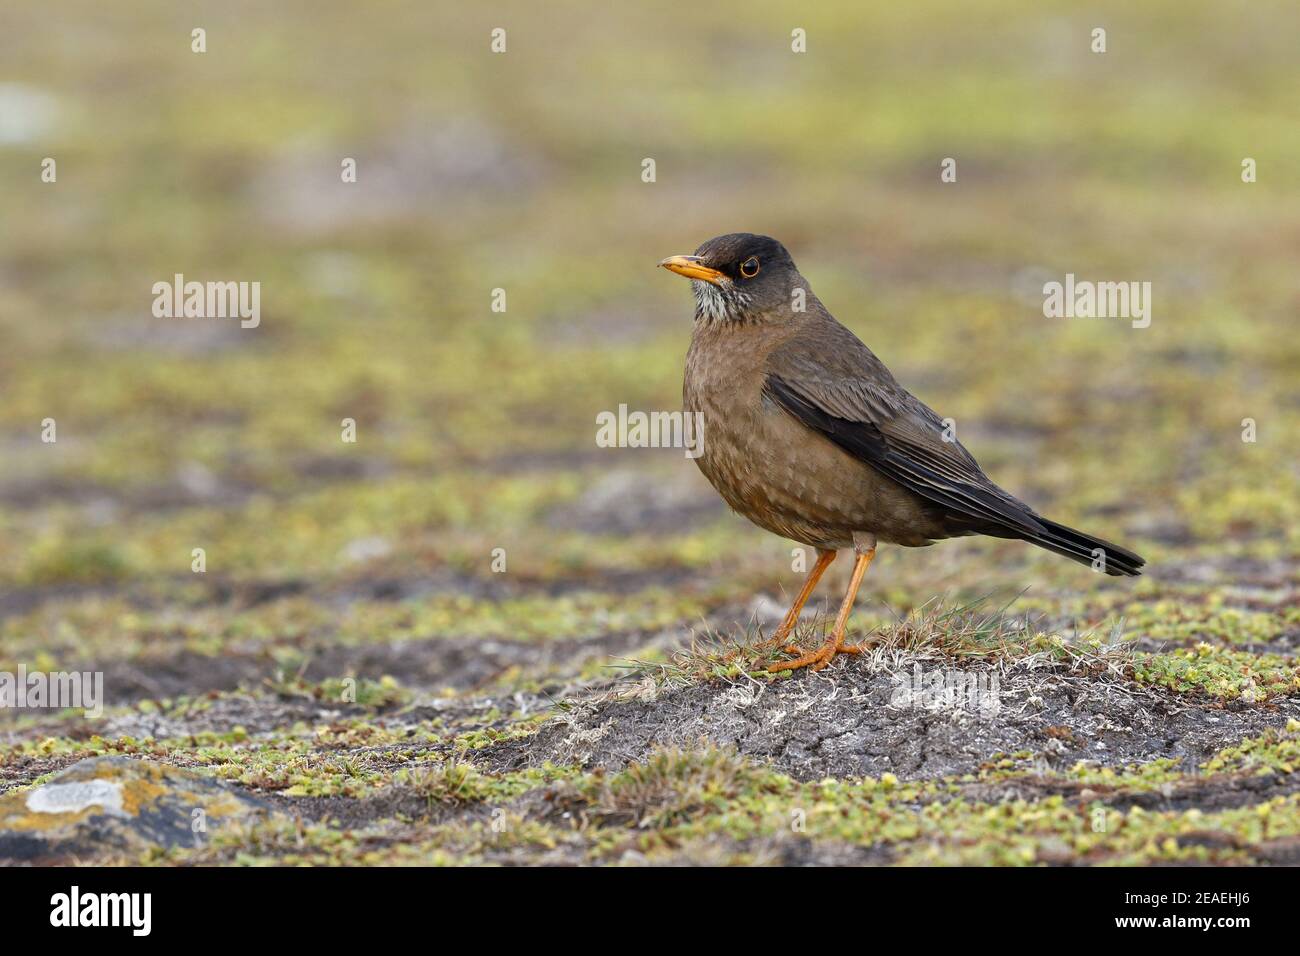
<point x="779" y="474"/>
<point x="764" y="464"/>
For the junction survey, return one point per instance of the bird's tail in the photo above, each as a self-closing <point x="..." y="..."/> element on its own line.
<point x="1086" y="549"/>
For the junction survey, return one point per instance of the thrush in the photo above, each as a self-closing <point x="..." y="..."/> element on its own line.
<point x="808" y="435"/>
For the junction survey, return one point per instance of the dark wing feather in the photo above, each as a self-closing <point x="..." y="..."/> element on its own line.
<point x="835" y="385"/>
<point x="910" y="450"/>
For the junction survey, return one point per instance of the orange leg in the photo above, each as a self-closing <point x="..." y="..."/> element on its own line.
<point x="835" y="643"/>
<point x="824" y="559"/>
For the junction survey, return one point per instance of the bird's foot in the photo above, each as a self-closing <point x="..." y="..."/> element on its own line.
<point x="817" y="659"/>
<point x="835" y="643"/>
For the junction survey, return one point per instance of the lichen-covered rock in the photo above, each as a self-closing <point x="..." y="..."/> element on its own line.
<point x="116" y="804"/>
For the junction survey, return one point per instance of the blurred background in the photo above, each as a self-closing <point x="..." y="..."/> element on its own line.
<point x="522" y="171"/>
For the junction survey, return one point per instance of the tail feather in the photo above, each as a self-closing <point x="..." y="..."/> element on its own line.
<point x="1086" y="549"/>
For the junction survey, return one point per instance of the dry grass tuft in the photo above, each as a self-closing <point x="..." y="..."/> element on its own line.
<point x="939" y="629"/>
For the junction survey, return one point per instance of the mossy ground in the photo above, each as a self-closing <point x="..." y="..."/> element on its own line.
<point x="353" y="654"/>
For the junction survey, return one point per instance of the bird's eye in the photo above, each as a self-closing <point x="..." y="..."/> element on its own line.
<point x="749" y="268"/>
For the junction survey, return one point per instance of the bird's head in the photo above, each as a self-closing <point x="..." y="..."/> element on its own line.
<point x="742" y="277"/>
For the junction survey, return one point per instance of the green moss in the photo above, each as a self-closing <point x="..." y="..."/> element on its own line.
<point x="1219" y="672"/>
<point x="1273" y="753"/>
<point x="62" y="561"/>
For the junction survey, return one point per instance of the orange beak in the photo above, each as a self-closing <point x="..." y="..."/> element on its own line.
<point x="690" y="267"/>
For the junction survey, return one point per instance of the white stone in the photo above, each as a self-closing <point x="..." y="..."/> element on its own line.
<point x="75" y="797"/>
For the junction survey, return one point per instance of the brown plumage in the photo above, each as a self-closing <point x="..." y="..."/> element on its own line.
<point x="808" y="434"/>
